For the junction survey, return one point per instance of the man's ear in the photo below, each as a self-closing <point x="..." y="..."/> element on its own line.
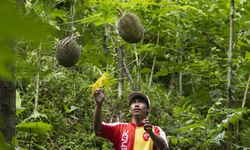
<point x="130" y="111"/>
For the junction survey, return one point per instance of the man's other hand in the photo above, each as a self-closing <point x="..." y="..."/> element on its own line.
<point x="99" y="95"/>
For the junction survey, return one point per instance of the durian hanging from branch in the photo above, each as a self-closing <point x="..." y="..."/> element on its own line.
<point x="130" y="27"/>
<point x="67" y="50"/>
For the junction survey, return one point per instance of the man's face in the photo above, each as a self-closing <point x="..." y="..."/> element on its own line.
<point x="138" y="108"/>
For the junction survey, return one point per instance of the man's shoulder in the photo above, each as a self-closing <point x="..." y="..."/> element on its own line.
<point x="157" y="128"/>
<point x="115" y="123"/>
<point x="118" y="126"/>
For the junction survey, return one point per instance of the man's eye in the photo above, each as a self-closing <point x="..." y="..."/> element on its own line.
<point x="141" y="101"/>
<point x="134" y="101"/>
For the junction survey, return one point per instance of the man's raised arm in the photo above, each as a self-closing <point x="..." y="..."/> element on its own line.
<point x="99" y="96"/>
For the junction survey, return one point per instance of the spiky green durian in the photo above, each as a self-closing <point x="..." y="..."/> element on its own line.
<point x="68" y="52"/>
<point x="130" y="28"/>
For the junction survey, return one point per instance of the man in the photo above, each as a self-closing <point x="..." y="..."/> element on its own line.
<point x="140" y="134"/>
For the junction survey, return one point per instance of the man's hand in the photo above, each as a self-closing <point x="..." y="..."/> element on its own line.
<point x="157" y="139"/>
<point x="148" y="126"/>
<point x="99" y="96"/>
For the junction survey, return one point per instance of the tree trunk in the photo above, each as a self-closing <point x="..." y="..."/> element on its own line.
<point x="230" y="64"/>
<point x="230" y="55"/>
<point x="7" y="109"/>
<point x="105" y="41"/>
<point x="120" y="55"/>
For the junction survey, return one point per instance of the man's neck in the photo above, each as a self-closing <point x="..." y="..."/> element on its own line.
<point x="137" y="121"/>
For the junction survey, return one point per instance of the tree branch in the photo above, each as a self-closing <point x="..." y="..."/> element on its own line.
<point x="245" y="95"/>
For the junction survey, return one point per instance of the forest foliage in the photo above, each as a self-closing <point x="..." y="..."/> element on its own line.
<point x="181" y="64"/>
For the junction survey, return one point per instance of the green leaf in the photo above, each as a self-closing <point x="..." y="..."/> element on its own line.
<point x="6" y="56"/>
<point x="67" y="110"/>
<point x="191" y="127"/>
<point x="190" y="141"/>
<point x="235" y="117"/>
<point x="219" y="137"/>
<point x="18" y="99"/>
<point x="4" y="145"/>
<point x="225" y="123"/>
<point x="174" y="140"/>
<point x="187" y="7"/>
<point x="34" y="127"/>
<point x="14" y="25"/>
<point x="92" y="19"/>
<point x="247" y="57"/>
<point x="199" y="98"/>
<point x="145" y="70"/>
<point x="182" y="140"/>
<point x="19" y="108"/>
<point x="245" y="137"/>
<point x="162" y="72"/>
<point x="14" y="141"/>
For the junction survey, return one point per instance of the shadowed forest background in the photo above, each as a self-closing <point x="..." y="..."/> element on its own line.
<point x="181" y="63"/>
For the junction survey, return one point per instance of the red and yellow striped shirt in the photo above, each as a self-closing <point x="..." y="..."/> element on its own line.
<point x="128" y="136"/>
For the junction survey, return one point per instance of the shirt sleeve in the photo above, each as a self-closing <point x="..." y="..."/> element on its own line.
<point x="108" y="131"/>
<point x="160" y="132"/>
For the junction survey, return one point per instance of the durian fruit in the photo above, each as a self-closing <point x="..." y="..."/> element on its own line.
<point x="68" y="52"/>
<point x="130" y="28"/>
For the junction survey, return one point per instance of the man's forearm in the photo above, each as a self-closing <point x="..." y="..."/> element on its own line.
<point x="98" y="117"/>
<point x="159" y="141"/>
